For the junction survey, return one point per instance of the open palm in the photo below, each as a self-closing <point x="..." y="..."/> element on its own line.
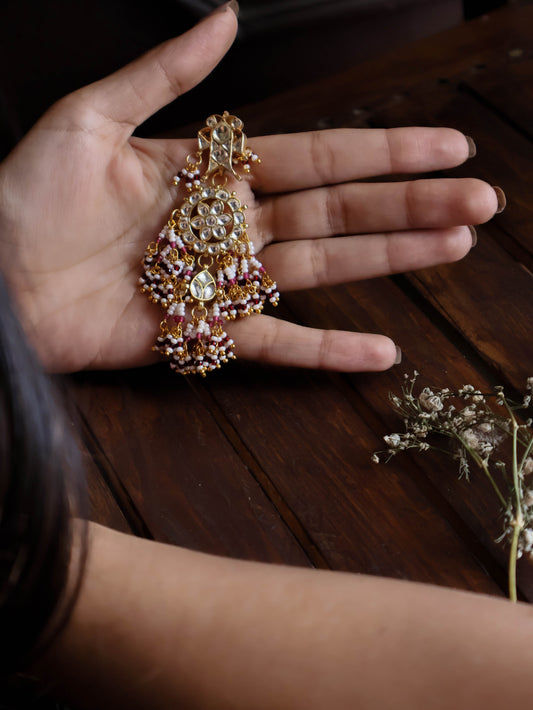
<point x="80" y="198"/>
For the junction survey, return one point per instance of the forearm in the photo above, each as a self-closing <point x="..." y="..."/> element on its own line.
<point x="161" y="627"/>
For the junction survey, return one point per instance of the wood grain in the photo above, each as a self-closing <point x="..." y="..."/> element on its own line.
<point x="170" y="464"/>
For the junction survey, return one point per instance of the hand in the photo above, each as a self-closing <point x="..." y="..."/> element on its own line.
<point x="80" y="199"/>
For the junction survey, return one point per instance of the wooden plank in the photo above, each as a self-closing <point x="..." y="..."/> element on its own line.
<point x="505" y="83"/>
<point x="489" y="299"/>
<point x="101" y="506"/>
<point x="316" y="450"/>
<point x="104" y="509"/>
<point x="166" y="454"/>
<point x="381" y="306"/>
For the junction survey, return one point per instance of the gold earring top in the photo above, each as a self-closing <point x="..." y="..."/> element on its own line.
<point x="225" y="140"/>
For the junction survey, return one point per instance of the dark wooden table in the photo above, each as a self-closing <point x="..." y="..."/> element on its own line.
<point x="273" y="464"/>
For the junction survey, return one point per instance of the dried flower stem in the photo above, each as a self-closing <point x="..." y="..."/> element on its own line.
<point x="484" y="467"/>
<point x="518" y="522"/>
<point x="465" y="418"/>
<point x="513" y="556"/>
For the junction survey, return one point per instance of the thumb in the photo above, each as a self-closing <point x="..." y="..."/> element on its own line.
<point x="132" y="94"/>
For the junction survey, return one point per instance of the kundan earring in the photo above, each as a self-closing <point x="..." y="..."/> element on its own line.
<point x="202" y="268"/>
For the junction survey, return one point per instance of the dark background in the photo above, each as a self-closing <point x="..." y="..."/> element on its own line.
<point x="51" y="47"/>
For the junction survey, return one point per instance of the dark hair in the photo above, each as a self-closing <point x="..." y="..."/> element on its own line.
<point x="41" y="489"/>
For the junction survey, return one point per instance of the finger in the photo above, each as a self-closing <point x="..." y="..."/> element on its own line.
<point x="132" y="94"/>
<point x="326" y="262"/>
<point x="280" y="343"/>
<point x="377" y="207"/>
<point x="302" y="160"/>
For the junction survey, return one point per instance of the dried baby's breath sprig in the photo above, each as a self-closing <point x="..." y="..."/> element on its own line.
<point x="476" y="432"/>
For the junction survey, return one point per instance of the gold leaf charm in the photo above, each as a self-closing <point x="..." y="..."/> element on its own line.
<point x="224" y="139"/>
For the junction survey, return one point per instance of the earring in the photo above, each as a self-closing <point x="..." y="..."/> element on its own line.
<point x="202" y="268"/>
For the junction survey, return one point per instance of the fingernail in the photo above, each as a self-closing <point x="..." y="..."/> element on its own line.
<point x="474" y="234"/>
<point x="398" y="356"/>
<point x="472" y="150"/>
<point x="502" y="200"/>
<point x="231" y="5"/>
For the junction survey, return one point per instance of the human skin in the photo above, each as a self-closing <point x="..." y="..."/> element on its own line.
<point x="80" y="198"/>
<point x="158" y="626"/>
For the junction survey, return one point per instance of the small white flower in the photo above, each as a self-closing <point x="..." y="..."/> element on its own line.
<point x="471" y="439"/>
<point x="485" y="449"/>
<point x="468" y="414"/>
<point x="430" y="401"/>
<point x="528" y="499"/>
<point x="527" y="468"/>
<point x="375" y="458"/>
<point x="485" y="427"/>
<point x="392" y="440"/>
<point x="529" y="383"/>
<point x="420" y="433"/>
<point x="527" y="538"/>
